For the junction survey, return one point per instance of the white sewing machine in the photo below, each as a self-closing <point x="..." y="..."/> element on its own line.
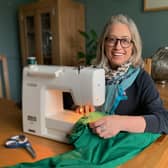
<point x="42" y="97"/>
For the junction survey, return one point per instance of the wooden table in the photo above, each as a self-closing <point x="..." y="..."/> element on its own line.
<point x="155" y="156"/>
<point x="11" y="124"/>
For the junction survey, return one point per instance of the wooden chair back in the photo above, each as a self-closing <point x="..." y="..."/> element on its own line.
<point x="148" y="65"/>
<point x="4" y="78"/>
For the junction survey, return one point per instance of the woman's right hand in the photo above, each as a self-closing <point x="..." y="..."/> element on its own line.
<point x="85" y="110"/>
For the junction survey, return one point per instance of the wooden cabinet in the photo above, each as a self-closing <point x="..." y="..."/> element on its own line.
<point x="163" y="90"/>
<point x="49" y="31"/>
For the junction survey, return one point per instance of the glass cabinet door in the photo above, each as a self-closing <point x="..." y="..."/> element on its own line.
<point x="46" y="38"/>
<point x="38" y="35"/>
<point x="30" y="36"/>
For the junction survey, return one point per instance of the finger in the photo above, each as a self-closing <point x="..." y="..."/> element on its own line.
<point x="97" y="123"/>
<point x="107" y="135"/>
<point x="98" y="130"/>
<point x="91" y="108"/>
<point x="104" y="134"/>
<point x="94" y="124"/>
<point x="86" y="109"/>
<point x="93" y="130"/>
<point x="91" y="125"/>
<point x="79" y="110"/>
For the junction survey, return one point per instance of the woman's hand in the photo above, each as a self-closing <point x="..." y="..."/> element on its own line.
<point x="85" y="110"/>
<point x="107" y="126"/>
<point x="111" y="125"/>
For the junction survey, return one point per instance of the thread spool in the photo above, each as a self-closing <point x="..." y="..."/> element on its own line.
<point x="31" y="61"/>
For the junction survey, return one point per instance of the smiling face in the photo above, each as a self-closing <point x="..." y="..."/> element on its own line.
<point x="118" y="44"/>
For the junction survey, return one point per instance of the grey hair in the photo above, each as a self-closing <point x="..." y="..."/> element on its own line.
<point x="136" y="59"/>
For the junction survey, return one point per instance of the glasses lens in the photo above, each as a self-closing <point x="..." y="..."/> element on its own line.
<point x="111" y="41"/>
<point x="124" y="42"/>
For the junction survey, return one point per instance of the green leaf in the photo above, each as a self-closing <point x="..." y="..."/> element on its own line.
<point x="84" y="34"/>
<point x="93" y="34"/>
<point x="91" y="46"/>
<point x="80" y="55"/>
<point x="90" y="43"/>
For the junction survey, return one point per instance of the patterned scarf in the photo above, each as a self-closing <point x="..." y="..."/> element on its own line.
<point x="116" y="76"/>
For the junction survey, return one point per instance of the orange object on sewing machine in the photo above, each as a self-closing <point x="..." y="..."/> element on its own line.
<point x="85" y="110"/>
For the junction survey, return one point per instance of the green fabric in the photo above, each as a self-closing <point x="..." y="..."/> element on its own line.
<point x="92" y="151"/>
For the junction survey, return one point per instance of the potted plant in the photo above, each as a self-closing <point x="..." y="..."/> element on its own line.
<point x="91" y="47"/>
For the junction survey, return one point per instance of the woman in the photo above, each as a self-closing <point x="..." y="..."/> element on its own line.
<point x="132" y="105"/>
<point x="132" y="101"/>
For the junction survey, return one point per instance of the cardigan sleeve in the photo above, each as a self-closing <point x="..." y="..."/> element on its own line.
<point x="156" y="116"/>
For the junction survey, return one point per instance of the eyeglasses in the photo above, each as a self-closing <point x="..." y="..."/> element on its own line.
<point x="124" y="42"/>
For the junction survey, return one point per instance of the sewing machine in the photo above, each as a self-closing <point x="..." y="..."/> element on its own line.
<point x="42" y="97"/>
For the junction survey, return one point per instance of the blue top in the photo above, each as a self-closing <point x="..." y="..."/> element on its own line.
<point x="143" y="99"/>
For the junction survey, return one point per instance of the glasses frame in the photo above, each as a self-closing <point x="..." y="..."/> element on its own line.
<point x="118" y="40"/>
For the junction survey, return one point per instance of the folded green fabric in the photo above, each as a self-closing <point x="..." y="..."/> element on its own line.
<point x="92" y="151"/>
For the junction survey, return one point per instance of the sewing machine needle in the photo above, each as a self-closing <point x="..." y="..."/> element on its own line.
<point x="31" y="151"/>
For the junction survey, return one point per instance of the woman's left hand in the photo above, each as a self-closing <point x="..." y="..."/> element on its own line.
<point x="107" y="126"/>
<point x="111" y="125"/>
